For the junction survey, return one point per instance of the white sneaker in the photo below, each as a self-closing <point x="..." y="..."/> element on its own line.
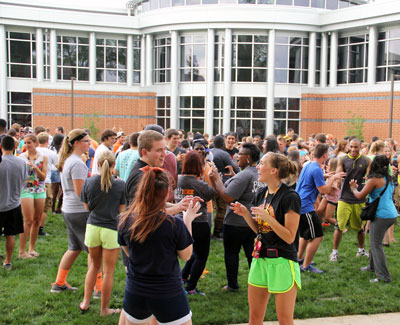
<point x="334" y="257"/>
<point x="362" y="253"/>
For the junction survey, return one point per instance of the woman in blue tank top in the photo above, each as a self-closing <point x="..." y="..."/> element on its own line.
<point x="386" y="214"/>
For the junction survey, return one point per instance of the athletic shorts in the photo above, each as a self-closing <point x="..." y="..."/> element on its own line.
<point x="332" y="203"/>
<point x="76" y="226"/>
<point x="99" y="236"/>
<point x="28" y="195"/>
<point x="276" y="274"/>
<point x="11" y="222"/>
<point x="49" y="198"/>
<point x="171" y="311"/>
<point x="349" y="214"/>
<point x="310" y="226"/>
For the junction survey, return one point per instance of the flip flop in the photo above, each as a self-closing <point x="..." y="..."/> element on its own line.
<point x="25" y="256"/>
<point x="34" y="254"/>
<point x="113" y="312"/>
<point x="83" y="310"/>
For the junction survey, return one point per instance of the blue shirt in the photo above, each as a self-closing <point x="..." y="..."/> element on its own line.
<point x="310" y="179"/>
<point x="386" y="208"/>
<point x="125" y="161"/>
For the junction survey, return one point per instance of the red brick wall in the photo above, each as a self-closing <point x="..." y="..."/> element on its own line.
<point x="130" y="112"/>
<point x="340" y="107"/>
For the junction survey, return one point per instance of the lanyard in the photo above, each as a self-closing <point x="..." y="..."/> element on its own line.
<point x="266" y="195"/>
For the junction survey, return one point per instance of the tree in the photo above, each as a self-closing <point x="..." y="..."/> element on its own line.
<point x="91" y="120"/>
<point x="355" y="126"/>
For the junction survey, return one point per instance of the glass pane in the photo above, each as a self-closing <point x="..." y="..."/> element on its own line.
<point x="69" y="55"/>
<point x="99" y="41"/>
<point x="199" y="55"/>
<point x="265" y="2"/>
<point x="243" y="103"/>
<point x="280" y="104"/>
<point x="295" y="115"/>
<point x="111" y="42"/>
<point x="357" y="39"/>
<point x="342" y="77"/>
<point x="185" y="102"/>
<point x="198" y="126"/>
<point x="178" y="3"/>
<point x="198" y="113"/>
<point x="20" y="52"/>
<point x="260" y="75"/>
<point x="331" y="4"/>
<point x="186" y="56"/>
<point x="342" y="57"/>
<point x="24" y="36"/>
<point x="83" y="56"/>
<point x="394" y="52"/>
<point x="192" y="2"/>
<point x="68" y="39"/>
<point x="244" y="56"/>
<point x="302" y="3"/>
<point x="382" y="53"/>
<point x="281" y="76"/>
<point x="121" y="58"/>
<point x="83" y="40"/>
<point x="22" y="119"/>
<point x="185" y="125"/>
<point x="198" y="102"/>
<point x="260" y="39"/>
<point x="243" y="74"/>
<point x="317" y="3"/>
<point x="294" y="125"/>
<point x="258" y="128"/>
<point x="83" y="74"/>
<point x="20" y="98"/>
<point x="293" y="104"/>
<point x="281" y="56"/>
<point x="294" y="76"/>
<point x="242" y="114"/>
<point x="244" y="38"/>
<point x="21" y="109"/>
<point x="284" y="2"/>
<point x="68" y="73"/>
<point x="111" y="57"/>
<point x="279" y="114"/>
<point x="247" y="1"/>
<point x="258" y="114"/>
<point x="122" y="76"/>
<point x="20" y="71"/>
<point x="356" y="57"/>
<point x="165" y="3"/>
<point x="381" y="74"/>
<point x="100" y="57"/>
<point x="394" y="33"/>
<point x="279" y="127"/>
<point x="305" y="59"/>
<point x="260" y="55"/>
<point x="356" y="76"/>
<point x="99" y="75"/>
<point x="161" y="101"/>
<point x="242" y="128"/>
<point x="259" y="103"/>
<point x="199" y="74"/>
<point x="343" y="3"/>
<point x="295" y="57"/>
<point x="121" y="43"/>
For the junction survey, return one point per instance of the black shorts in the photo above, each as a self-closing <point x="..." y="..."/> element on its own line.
<point x="12" y="222"/>
<point x="139" y="309"/>
<point x="310" y="227"/>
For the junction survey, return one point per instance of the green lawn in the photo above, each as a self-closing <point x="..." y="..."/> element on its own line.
<point x="343" y="290"/>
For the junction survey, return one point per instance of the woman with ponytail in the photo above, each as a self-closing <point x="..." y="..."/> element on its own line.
<point x="153" y="241"/>
<point x="103" y="195"/>
<point x="73" y="174"/>
<point x="274" y="217"/>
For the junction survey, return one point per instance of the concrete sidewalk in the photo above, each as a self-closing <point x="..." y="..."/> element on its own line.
<point x="377" y="319"/>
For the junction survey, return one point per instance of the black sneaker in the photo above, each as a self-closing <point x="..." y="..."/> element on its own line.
<point x="42" y="233"/>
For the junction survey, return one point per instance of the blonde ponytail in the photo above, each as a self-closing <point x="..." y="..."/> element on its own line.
<point x="68" y="146"/>
<point x="106" y="161"/>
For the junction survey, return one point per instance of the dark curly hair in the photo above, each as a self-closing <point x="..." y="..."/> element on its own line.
<point x="379" y="167"/>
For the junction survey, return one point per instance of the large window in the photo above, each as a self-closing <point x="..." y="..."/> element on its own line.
<point x="192" y="113"/>
<point x="291" y="60"/>
<point x="163" y="111"/>
<point x="73" y="58"/>
<point x="248" y="115"/>
<point x="21" y="55"/>
<point x="162" y="58"/>
<point x="193" y="58"/>
<point x="286" y="115"/>
<point x="388" y="58"/>
<point x="249" y="58"/>
<point x="111" y="55"/>
<point x="352" y="59"/>
<point x="46" y="56"/>
<point x="219" y="49"/>
<point x="136" y="58"/>
<point x="20" y="108"/>
<point x="318" y="62"/>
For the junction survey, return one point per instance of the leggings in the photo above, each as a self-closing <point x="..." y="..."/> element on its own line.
<point x="201" y="247"/>
<point x="377" y="258"/>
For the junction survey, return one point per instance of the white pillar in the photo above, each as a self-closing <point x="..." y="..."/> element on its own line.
<point x="149" y="60"/>
<point x="129" y="60"/>
<point x="174" y="102"/>
<point x="143" y="61"/>
<point x="324" y="61"/>
<point x="92" y="58"/>
<point x="372" y="54"/>
<point x="271" y="83"/>
<point x="3" y="73"/>
<point x="226" y="114"/>
<point x="210" y="83"/>
<point x="312" y="56"/>
<point x="53" y="56"/>
<point x="39" y="55"/>
<point x="334" y="60"/>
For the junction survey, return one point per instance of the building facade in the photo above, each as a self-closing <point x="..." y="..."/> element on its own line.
<point x="250" y="66"/>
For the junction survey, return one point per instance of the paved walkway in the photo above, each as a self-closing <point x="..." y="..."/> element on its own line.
<point x="378" y="319"/>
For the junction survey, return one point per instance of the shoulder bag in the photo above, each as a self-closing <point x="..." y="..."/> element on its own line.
<point x="368" y="212"/>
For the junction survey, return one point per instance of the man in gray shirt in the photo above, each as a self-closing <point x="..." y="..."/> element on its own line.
<point x="13" y="173"/>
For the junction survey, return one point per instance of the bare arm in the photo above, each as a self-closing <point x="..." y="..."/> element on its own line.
<point x="126" y="250"/>
<point x="189" y="215"/>
<point x="40" y="172"/>
<point x="325" y="189"/>
<point x="369" y="186"/>
<point x="219" y="186"/>
<point x="78" y="184"/>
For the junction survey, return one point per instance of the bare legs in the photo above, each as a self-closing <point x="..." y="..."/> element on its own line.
<point x="284" y="303"/>
<point x="32" y="210"/>
<point x="109" y="257"/>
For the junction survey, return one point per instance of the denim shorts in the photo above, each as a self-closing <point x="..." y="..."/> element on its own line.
<point x="55" y="176"/>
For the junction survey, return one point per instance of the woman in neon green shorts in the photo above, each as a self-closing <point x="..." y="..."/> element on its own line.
<point x="33" y="195"/>
<point x="275" y="218"/>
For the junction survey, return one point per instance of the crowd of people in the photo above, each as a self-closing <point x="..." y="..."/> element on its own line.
<point x="158" y="196"/>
